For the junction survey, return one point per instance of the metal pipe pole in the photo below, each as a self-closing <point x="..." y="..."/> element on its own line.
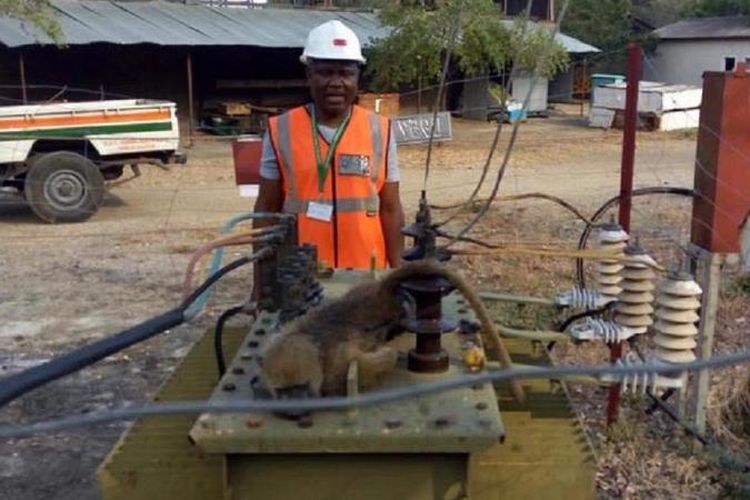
<point x="635" y="56"/>
<point x="22" y="71"/>
<point x="190" y="99"/>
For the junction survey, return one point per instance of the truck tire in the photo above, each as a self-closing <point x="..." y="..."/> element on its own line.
<point x="64" y="187"/>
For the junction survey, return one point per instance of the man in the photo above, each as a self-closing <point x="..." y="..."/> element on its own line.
<point x="333" y="163"/>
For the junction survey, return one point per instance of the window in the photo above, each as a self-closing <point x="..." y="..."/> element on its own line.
<point x="728" y="63"/>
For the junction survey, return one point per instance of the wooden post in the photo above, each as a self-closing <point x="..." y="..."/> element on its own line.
<point x="709" y="306"/>
<point x="191" y="129"/>
<point x="22" y="71"/>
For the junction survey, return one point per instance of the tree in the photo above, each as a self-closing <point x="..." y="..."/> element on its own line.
<point x="482" y="43"/>
<point x="606" y="24"/>
<point x="709" y="8"/>
<point x="38" y="13"/>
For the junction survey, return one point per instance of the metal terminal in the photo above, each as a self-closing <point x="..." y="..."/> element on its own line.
<point x="425" y="236"/>
<point x="428" y="323"/>
<point x="583" y="298"/>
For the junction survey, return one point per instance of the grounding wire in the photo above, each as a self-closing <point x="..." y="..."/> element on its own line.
<point x="499" y="127"/>
<point x="441" y="88"/>
<point x="513" y="136"/>
<point x="368" y="399"/>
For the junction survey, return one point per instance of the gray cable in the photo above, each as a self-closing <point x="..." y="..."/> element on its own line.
<point x="371" y="398"/>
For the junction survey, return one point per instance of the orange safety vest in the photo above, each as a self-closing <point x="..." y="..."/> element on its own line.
<point x="357" y="174"/>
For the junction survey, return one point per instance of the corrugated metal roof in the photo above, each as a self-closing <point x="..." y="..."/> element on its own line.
<point x="706" y="28"/>
<point x="574" y="45"/>
<point x="167" y="23"/>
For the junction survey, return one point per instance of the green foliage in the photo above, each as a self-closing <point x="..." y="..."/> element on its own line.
<point x="708" y="8"/>
<point x="485" y="44"/>
<point x="38" y="13"/>
<point x="603" y="23"/>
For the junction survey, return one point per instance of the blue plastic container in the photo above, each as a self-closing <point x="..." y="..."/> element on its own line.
<point x="599" y="79"/>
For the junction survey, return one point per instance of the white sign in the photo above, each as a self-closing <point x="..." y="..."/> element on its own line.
<point x="415" y="129"/>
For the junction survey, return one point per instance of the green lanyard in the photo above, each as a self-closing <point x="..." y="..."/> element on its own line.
<point x="323" y="167"/>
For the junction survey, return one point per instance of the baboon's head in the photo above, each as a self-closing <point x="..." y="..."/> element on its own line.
<point x="291" y="367"/>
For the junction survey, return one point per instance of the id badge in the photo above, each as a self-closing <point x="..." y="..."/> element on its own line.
<point x="358" y="165"/>
<point x="320" y="211"/>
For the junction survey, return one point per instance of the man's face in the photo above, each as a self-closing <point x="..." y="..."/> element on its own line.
<point x="333" y="85"/>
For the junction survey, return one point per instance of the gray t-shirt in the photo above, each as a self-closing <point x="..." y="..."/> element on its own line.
<point x="269" y="167"/>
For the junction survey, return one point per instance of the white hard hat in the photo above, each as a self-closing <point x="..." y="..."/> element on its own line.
<point x="332" y="40"/>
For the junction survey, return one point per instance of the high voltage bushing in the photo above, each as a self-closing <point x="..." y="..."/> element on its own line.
<point x="610" y="236"/>
<point x="634" y="304"/>
<point x="678" y="302"/>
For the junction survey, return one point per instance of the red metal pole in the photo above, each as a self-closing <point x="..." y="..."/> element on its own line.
<point x="635" y="56"/>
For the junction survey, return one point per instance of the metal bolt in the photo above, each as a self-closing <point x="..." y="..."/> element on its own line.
<point x="253" y="423"/>
<point x="238" y="370"/>
<point x="229" y="386"/>
<point x="246" y="356"/>
<point x="260" y="332"/>
<point x="462" y="311"/>
<point x="460" y="301"/>
<point x="305" y="422"/>
<point x="393" y="423"/>
<point x="252" y="344"/>
<point x="443" y="422"/>
<point x="266" y="321"/>
<point x="254" y="380"/>
<point x="481" y="406"/>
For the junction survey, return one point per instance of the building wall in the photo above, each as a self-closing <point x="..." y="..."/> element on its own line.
<point x="684" y="61"/>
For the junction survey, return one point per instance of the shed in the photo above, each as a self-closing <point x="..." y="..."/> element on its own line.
<point x="192" y="54"/>
<point x="688" y="48"/>
<point x="477" y="102"/>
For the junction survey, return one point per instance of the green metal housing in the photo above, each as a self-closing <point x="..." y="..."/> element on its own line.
<point x="448" y="446"/>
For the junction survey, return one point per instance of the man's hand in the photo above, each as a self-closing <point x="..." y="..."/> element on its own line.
<point x="392" y="220"/>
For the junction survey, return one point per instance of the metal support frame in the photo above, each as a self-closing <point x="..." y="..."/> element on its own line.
<point x="635" y="59"/>
<point x="191" y="114"/>
<point x="709" y="306"/>
<point x="22" y="73"/>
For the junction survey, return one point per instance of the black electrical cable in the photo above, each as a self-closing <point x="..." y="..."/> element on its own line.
<point x="219" y="334"/>
<point x="555" y="199"/>
<point x="16" y="385"/>
<point x="580" y="278"/>
<point x="585" y="314"/>
<point x="660" y="402"/>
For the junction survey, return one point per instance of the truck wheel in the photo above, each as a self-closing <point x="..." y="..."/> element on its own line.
<point x="64" y="187"/>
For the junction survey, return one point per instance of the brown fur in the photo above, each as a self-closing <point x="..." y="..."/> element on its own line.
<point x="317" y="348"/>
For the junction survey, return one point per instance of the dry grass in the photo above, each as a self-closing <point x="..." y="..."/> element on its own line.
<point x="645" y="456"/>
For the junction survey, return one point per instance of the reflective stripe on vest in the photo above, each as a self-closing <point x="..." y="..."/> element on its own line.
<point x="370" y="205"/>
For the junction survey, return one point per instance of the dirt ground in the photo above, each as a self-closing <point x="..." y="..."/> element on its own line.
<point x="66" y="285"/>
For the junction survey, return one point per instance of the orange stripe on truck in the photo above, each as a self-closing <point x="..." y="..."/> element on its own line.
<point x="98" y="118"/>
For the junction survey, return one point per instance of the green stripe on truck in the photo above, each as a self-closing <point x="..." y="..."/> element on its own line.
<point x="87" y="130"/>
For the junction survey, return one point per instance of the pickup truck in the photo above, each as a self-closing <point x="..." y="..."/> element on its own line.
<point x="58" y="155"/>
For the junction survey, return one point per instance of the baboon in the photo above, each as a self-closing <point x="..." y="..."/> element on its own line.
<point x="311" y="355"/>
